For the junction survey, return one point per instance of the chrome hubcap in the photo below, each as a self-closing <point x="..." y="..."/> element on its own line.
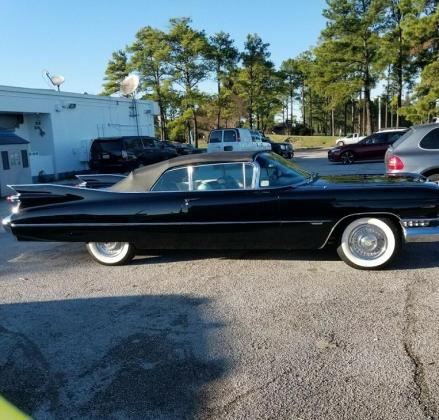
<point x="110" y="249"/>
<point x="367" y="242"/>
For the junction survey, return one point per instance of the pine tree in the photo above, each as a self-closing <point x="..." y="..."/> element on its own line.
<point x="256" y="67"/>
<point x="116" y="71"/>
<point x="395" y="46"/>
<point x="151" y="54"/>
<point x="223" y="57"/>
<point x="424" y="33"/>
<point x="352" y="38"/>
<point x="189" y="48"/>
<point x="292" y="79"/>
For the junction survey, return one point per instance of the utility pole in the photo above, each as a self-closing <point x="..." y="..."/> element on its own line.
<point x="379" y="112"/>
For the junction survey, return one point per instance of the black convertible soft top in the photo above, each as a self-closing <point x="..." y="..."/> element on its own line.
<point x="143" y="179"/>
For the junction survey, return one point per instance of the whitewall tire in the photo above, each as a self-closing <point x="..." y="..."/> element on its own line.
<point x="369" y="243"/>
<point x="111" y="253"/>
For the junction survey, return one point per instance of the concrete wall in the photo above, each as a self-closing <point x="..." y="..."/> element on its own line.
<point x="68" y="122"/>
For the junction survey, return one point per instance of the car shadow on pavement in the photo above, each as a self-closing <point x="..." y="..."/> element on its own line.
<point x="160" y="257"/>
<point x="412" y="256"/>
<point x="119" y="357"/>
<point x="358" y="162"/>
<point x="417" y="256"/>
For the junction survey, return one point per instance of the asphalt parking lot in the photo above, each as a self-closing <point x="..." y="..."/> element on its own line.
<point x="219" y="335"/>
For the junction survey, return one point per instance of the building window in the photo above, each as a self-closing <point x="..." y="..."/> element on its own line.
<point x="24" y="159"/>
<point x="5" y="160"/>
<point x="15" y="159"/>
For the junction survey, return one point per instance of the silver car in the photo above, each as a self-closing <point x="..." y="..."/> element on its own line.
<point x="417" y="151"/>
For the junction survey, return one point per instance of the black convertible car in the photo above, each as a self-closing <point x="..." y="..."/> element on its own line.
<point x="231" y="200"/>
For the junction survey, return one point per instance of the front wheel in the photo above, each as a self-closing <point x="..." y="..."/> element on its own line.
<point x="369" y="243"/>
<point x="111" y="253"/>
<point x="340" y="143"/>
<point x="347" y="158"/>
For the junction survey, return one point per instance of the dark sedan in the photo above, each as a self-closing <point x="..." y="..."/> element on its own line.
<point x="283" y="149"/>
<point x="372" y="147"/>
<point x="232" y="200"/>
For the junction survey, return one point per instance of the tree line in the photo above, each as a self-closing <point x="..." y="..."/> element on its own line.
<point x="391" y="45"/>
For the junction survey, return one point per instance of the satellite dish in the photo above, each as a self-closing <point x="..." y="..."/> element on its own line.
<point x="57" y="80"/>
<point x="129" y="84"/>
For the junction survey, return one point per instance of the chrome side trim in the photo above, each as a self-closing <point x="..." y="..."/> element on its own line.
<point x="280" y="222"/>
<point x="421" y="234"/>
<point x="356" y="214"/>
<point x="424" y="219"/>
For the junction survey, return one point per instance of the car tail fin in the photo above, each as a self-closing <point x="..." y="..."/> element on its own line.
<point x="99" y="180"/>
<point x="34" y="195"/>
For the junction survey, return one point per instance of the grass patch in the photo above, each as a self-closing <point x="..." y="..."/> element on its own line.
<point x="306" y="141"/>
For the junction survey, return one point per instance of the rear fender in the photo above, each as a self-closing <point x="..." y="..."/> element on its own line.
<point x="35" y="195"/>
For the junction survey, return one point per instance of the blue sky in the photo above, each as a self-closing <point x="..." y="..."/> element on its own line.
<point x="76" y="38"/>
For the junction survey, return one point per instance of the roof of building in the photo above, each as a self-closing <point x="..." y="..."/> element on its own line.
<point x="65" y="94"/>
<point x="8" y="137"/>
<point x="144" y="178"/>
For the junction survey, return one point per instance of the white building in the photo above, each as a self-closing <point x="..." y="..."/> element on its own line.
<point x="60" y="125"/>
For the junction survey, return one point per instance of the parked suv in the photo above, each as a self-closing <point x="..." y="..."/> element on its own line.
<point x="123" y="154"/>
<point x="416" y="152"/>
<point x="372" y="147"/>
<point x="236" y="139"/>
<point x="284" y="149"/>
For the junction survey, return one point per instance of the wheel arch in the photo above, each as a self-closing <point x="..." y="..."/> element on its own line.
<point x="431" y="171"/>
<point x="338" y="228"/>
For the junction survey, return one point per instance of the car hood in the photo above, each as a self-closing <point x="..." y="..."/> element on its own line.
<point x="355" y="180"/>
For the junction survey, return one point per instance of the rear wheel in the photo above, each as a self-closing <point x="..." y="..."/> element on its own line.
<point x="347" y="157"/>
<point x="369" y="243"/>
<point x="111" y="253"/>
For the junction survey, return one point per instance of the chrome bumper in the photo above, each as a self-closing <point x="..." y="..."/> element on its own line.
<point x="6" y="223"/>
<point x="421" y="234"/>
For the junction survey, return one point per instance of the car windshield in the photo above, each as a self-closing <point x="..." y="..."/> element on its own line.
<point x="278" y="172"/>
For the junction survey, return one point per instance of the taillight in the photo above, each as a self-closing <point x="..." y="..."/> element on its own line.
<point x="394" y="163"/>
<point x="15" y="201"/>
<point x="124" y="154"/>
<point x="13" y="198"/>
